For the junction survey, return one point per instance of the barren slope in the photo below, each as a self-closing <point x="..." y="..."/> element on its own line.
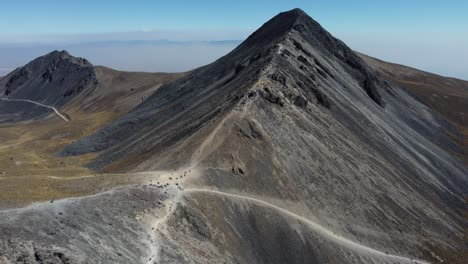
<point x="447" y="96"/>
<point x="30" y="135"/>
<point x="288" y="149"/>
<point x="293" y="114"/>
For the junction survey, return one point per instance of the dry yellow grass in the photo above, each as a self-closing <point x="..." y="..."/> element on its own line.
<point x="29" y="169"/>
<point x="28" y="162"/>
<point x="20" y="191"/>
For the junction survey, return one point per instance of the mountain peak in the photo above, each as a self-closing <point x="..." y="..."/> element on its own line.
<point x="293" y="22"/>
<point x="281" y="24"/>
<point x="294" y="13"/>
<point x="51" y="79"/>
<point x="295" y="32"/>
<point x="57" y="55"/>
<point x="291" y="60"/>
<point x="275" y="31"/>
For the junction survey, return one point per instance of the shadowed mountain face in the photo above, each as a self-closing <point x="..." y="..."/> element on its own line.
<point x="52" y="80"/>
<point x="49" y="79"/>
<point x="66" y="83"/>
<point x="288" y="149"/>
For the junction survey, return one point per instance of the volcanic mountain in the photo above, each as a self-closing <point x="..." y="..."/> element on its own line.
<point x="59" y="80"/>
<point x="289" y="149"/>
<point x="46" y="82"/>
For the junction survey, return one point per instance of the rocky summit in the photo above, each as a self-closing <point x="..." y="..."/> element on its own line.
<point x="47" y="82"/>
<point x="289" y="149"/>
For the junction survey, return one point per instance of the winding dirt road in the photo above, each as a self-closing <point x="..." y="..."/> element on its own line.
<point x="316" y="227"/>
<point x="39" y="104"/>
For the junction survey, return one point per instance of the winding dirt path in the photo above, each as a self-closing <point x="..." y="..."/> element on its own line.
<point x="39" y="104"/>
<point x="320" y="229"/>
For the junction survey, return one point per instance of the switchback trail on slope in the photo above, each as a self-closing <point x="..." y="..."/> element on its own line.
<point x="317" y="227"/>
<point x="39" y="104"/>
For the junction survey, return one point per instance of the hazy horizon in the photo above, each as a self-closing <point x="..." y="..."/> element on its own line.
<point x="426" y="35"/>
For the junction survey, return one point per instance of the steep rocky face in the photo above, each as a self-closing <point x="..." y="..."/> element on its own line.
<point x="52" y="80"/>
<point x="367" y="164"/>
<point x="291" y="149"/>
<point x="227" y="80"/>
<point x="447" y="96"/>
<point x="179" y="109"/>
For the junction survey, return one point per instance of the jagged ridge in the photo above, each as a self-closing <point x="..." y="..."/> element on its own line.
<point x="51" y="79"/>
<point x="227" y="80"/>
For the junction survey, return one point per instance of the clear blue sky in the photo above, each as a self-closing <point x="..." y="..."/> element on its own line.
<point x="366" y="25"/>
<point x="85" y="16"/>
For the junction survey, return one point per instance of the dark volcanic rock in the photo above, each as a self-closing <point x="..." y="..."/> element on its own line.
<point x="300" y="101"/>
<point x="53" y="80"/>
